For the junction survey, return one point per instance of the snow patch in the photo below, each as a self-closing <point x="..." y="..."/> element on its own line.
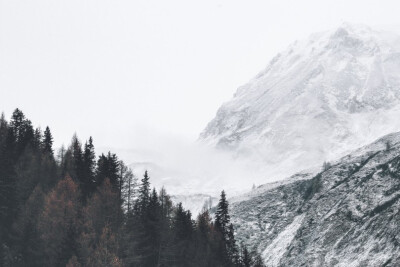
<point x="274" y="252"/>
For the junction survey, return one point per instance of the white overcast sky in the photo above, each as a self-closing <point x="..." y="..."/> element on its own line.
<point x="124" y="70"/>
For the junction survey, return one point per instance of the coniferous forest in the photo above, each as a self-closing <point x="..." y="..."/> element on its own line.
<point x="71" y="208"/>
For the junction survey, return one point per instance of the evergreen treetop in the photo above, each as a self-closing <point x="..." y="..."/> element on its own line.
<point x="48" y="141"/>
<point x="222" y="218"/>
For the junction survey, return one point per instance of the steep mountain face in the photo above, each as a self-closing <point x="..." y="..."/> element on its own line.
<point x="316" y="101"/>
<point x="347" y="215"/>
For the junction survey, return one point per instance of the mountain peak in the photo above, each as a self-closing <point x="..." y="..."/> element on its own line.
<point x="354" y="27"/>
<point x="340" y="33"/>
<point x="354" y="36"/>
<point x="337" y="87"/>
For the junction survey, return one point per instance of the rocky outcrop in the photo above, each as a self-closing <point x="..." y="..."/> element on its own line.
<point x="346" y="215"/>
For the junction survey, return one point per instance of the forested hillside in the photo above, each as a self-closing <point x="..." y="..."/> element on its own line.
<point x="71" y="208"/>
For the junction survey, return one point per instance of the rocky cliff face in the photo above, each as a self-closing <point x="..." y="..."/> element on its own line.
<point x="346" y="215"/>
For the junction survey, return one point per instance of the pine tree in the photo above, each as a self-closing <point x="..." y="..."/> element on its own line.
<point x="226" y="243"/>
<point x="144" y="193"/>
<point x="204" y="249"/>
<point x="17" y="124"/>
<point x="47" y="141"/>
<point x="77" y="157"/>
<point x="114" y="170"/>
<point x="89" y="165"/>
<point x="22" y="128"/>
<point x="37" y="139"/>
<point x="233" y="252"/>
<point x="3" y="132"/>
<point x="153" y="230"/>
<point x="183" y="236"/>
<point x="165" y="251"/>
<point x="246" y="257"/>
<point x="22" y="131"/>
<point x="108" y="167"/>
<point x="4" y="182"/>
<point x="8" y="186"/>
<point x="222" y="217"/>
<point x="138" y="244"/>
<point x="3" y="126"/>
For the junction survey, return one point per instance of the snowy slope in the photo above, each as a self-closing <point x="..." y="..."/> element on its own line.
<point x="347" y="215"/>
<point x="317" y="100"/>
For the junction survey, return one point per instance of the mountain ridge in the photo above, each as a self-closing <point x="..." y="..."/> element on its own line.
<point x="346" y="215"/>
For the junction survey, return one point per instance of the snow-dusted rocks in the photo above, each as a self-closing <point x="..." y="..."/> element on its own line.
<point x="347" y="215"/>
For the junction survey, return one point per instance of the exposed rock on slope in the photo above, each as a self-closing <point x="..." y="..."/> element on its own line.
<point x="348" y="215"/>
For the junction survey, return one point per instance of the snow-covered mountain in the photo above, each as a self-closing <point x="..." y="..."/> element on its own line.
<point x="347" y="215"/>
<point x="317" y="100"/>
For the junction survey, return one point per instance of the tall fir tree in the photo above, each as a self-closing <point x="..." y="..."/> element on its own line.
<point x="144" y="193"/>
<point x="3" y="126"/>
<point x="182" y="228"/>
<point x="77" y="155"/>
<point x="231" y="245"/>
<point x="153" y="230"/>
<point x="89" y="166"/>
<point x="108" y="167"/>
<point x="37" y="139"/>
<point x="22" y="131"/>
<point x="222" y="218"/>
<point x="18" y="124"/>
<point x="47" y="141"/>
<point x="5" y="187"/>
<point x="137" y="241"/>
<point x="165" y="251"/>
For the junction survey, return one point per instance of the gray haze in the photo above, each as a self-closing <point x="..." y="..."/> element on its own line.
<point x="128" y="72"/>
